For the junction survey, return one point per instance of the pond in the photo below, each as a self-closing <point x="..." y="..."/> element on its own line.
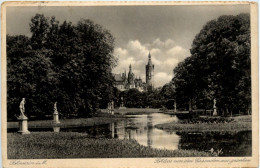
<point x="141" y="128"/>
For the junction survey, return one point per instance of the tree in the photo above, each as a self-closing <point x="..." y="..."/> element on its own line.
<point x="219" y="66"/>
<point x="70" y="64"/>
<point x="29" y="75"/>
<point x="168" y="91"/>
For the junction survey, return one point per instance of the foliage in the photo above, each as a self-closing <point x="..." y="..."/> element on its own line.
<point x="100" y="119"/>
<point x="70" y="64"/>
<point x="209" y="120"/>
<point x="219" y="67"/>
<point x="135" y="99"/>
<point x="234" y="126"/>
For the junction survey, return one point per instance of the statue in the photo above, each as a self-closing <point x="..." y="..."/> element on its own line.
<point x="23" y="125"/>
<point x="22" y="109"/>
<point x="112" y="107"/>
<point x="55" y="108"/>
<point x="214" y="107"/>
<point x="56" y="114"/>
<point x="122" y="106"/>
<point x="109" y="107"/>
<point x="122" y="102"/>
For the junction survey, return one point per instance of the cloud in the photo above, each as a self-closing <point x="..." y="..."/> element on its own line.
<point x="165" y="57"/>
<point x="161" y="78"/>
<point x="157" y="43"/>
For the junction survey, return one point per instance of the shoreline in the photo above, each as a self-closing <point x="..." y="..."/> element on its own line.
<point x="240" y="123"/>
<point x="78" y="145"/>
<point x="70" y="123"/>
<point x="99" y="119"/>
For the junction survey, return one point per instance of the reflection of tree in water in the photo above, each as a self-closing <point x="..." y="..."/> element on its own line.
<point x="99" y="131"/>
<point x="116" y="135"/>
<point x="112" y="130"/>
<point x="149" y="130"/>
<point x="238" y="144"/>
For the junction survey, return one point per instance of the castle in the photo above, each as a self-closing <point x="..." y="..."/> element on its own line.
<point x="125" y="82"/>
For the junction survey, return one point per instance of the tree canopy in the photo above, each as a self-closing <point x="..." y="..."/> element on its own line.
<point x="219" y="67"/>
<point x="67" y="63"/>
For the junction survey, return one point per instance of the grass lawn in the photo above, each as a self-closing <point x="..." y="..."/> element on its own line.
<point x="134" y="111"/>
<point x="99" y="119"/>
<point x="49" y="145"/>
<point x="240" y="123"/>
<point x="102" y="118"/>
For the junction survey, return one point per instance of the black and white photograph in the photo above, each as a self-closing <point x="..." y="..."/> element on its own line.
<point x="128" y="81"/>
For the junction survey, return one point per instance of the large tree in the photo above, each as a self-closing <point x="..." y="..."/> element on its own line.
<point x="67" y="63"/>
<point x="219" y="66"/>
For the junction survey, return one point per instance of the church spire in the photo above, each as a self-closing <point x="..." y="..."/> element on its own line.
<point x="130" y="68"/>
<point x="130" y="75"/>
<point x="149" y="72"/>
<point x="149" y="60"/>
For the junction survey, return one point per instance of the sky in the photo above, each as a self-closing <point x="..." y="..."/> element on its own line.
<point x="167" y="32"/>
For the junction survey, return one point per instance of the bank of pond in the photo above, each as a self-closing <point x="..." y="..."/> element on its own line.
<point x="144" y="135"/>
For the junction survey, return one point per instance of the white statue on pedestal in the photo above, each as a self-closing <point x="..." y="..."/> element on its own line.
<point x="112" y="107"/>
<point x="55" y="108"/>
<point x="56" y="114"/>
<point x="23" y="125"/>
<point x="214" y="107"/>
<point x="22" y="109"/>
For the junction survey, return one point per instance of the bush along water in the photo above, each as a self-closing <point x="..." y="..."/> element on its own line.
<point x="209" y="120"/>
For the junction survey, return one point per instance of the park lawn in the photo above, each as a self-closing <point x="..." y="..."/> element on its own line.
<point x="240" y="123"/>
<point x="134" y="111"/>
<point x="50" y="145"/>
<point x="101" y="119"/>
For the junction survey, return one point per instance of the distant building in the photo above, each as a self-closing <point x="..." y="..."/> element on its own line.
<point x="125" y="82"/>
<point x="149" y="68"/>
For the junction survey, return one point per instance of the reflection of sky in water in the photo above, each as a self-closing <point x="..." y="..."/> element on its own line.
<point x="141" y="128"/>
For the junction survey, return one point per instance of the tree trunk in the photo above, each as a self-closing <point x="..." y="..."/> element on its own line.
<point x="190" y="105"/>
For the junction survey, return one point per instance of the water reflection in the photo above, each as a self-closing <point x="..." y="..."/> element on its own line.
<point x="237" y="144"/>
<point x="141" y="128"/>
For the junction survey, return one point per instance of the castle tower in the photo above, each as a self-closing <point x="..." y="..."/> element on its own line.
<point x="149" y="73"/>
<point x="131" y="78"/>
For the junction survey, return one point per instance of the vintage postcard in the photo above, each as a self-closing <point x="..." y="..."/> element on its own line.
<point x="129" y="84"/>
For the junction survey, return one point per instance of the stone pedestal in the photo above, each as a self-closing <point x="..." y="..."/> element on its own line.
<point x="122" y="108"/>
<point x="23" y="125"/>
<point x="215" y="112"/>
<point x="56" y="129"/>
<point x="56" y="118"/>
